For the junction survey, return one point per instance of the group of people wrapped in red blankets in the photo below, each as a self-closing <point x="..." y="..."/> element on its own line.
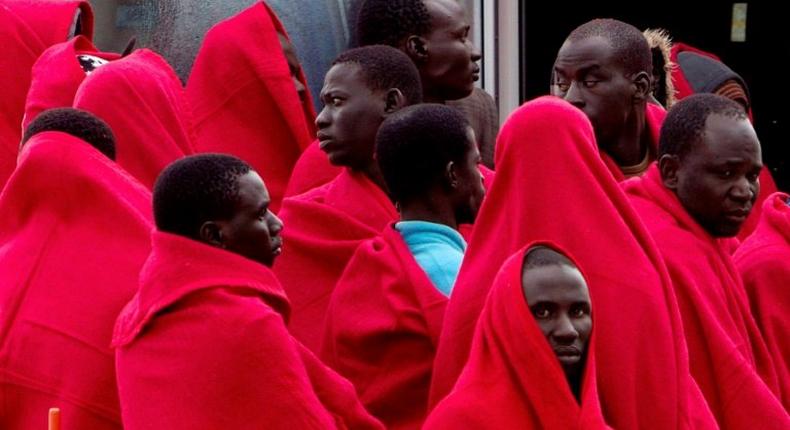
<point x="216" y="256"/>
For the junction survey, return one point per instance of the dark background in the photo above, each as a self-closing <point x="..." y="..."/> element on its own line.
<point x="703" y="24"/>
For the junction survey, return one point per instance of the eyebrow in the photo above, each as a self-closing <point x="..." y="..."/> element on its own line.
<point x="582" y="70"/>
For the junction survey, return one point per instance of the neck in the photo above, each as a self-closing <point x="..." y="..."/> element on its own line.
<point x="432" y="98"/>
<point x="630" y="146"/>
<point x="438" y="211"/>
<point x="373" y="173"/>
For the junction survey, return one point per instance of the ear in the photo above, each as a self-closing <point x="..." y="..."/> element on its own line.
<point x="394" y="100"/>
<point x="211" y="233"/>
<point x="416" y="49"/>
<point x="669" y="165"/>
<point x="451" y="175"/>
<point x="643" y="84"/>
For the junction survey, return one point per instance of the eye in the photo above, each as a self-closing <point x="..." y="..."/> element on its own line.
<point x="753" y="176"/>
<point x="727" y="173"/>
<point x="541" y="311"/>
<point x="562" y="86"/>
<point x="590" y="83"/>
<point x="580" y="311"/>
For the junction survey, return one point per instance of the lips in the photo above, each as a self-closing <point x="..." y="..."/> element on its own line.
<point x="277" y="247"/>
<point x="323" y="139"/>
<point x="738" y="215"/>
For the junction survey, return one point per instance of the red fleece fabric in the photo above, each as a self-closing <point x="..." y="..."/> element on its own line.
<point x="513" y="379"/>
<point x="763" y="261"/>
<point x="654" y="118"/>
<point x="141" y="98"/>
<point x="57" y="75"/>
<point x="74" y="235"/>
<point x="583" y="208"/>
<point x="27" y="28"/>
<point x="245" y="101"/>
<point x="313" y="170"/>
<point x="683" y="89"/>
<point x="727" y="353"/>
<point x="382" y="327"/>
<point x="323" y="229"/>
<point x="203" y="344"/>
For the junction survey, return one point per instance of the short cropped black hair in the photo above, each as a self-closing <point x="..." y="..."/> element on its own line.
<point x="78" y="123"/>
<point x="196" y="189"/>
<point x="685" y="121"/>
<point x="414" y="145"/>
<point x="629" y="44"/>
<point x="541" y="256"/>
<point x="388" y="22"/>
<point x="385" y="67"/>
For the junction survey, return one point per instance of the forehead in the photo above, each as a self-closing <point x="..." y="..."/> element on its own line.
<point x="446" y="15"/>
<point x="288" y="50"/>
<point x="347" y="78"/>
<point x="585" y="54"/>
<point x="726" y="138"/>
<point x="557" y="283"/>
<point x="252" y="191"/>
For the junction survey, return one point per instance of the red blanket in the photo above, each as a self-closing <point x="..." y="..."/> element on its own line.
<point x="725" y="347"/>
<point x="763" y="261"/>
<point x="27" y="28"/>
<point x="684" y="89"/>
<point x="381" y="330"/>
<point x="57" y="75"/>
<point x="203" y="344"/>
<point x="244" y="98"/>
<point x="583" y="208"/>
<point x="74" y="236"/>
<point x="513" y="379"/>
<point x="322" y="230"/>
<point x="141" y="98"/>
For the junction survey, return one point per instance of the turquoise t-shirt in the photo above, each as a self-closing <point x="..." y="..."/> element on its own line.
<point x="438" y="250"/>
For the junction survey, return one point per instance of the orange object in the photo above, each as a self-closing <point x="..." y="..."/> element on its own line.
<point x="54" y="419"/>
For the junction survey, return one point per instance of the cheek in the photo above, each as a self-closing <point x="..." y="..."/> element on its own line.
<point x="583" y="326"/>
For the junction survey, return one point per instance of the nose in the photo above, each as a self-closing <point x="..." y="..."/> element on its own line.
<point x="475" y="53"/>
<point x="564" y="332"/>
<point x="275" y="225"/>
<point x="743" y="190"/>
<point x="574" y="96"/>
<point x="322" y="120"/>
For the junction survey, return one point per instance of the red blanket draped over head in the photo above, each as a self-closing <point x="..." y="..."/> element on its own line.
<point x="382" y="327"/>
<point x="727" y="353"/>
<point x="27" y="28"/>
<point x="654" y="118"/>
<point x="322" y="230"/>
<point x="513" y="380"/>
<point x="551" y="183"/>
<point x="57" y="75"/>
<point x="141" y="98"/>
<point x="683" y="89"/>
<point x="203" y="344"/>
<point x="74" y="236"/>
<point x="763" y="261"/>
<point x="245" y="101"/>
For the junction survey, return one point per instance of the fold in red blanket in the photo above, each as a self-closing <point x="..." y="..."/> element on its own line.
<point x="513" y="380"/>
<point x="74" y="235"/>
<point x="763" y="261"/>
<point x="27" y="28"/>
<point x="245" y="101"/>
<point x="203" y="344"/>
<point x="727" y="353"/>
<point x="382" y="327"/>
<point x="552" y="185"/>
<point x="57" y="75"/>
<point x="141" y="98"/>
<point x="322" y="230"/>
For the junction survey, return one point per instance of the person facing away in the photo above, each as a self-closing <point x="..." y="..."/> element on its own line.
<point x="203" y="344"/>
<point x="693" y="201"/>
<point x="363" y="87"/>
<point x="604" y="68"/>
<point x="389" y="303"/>
<point x="532" y="360"/>
<point x="74" y="236"/>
